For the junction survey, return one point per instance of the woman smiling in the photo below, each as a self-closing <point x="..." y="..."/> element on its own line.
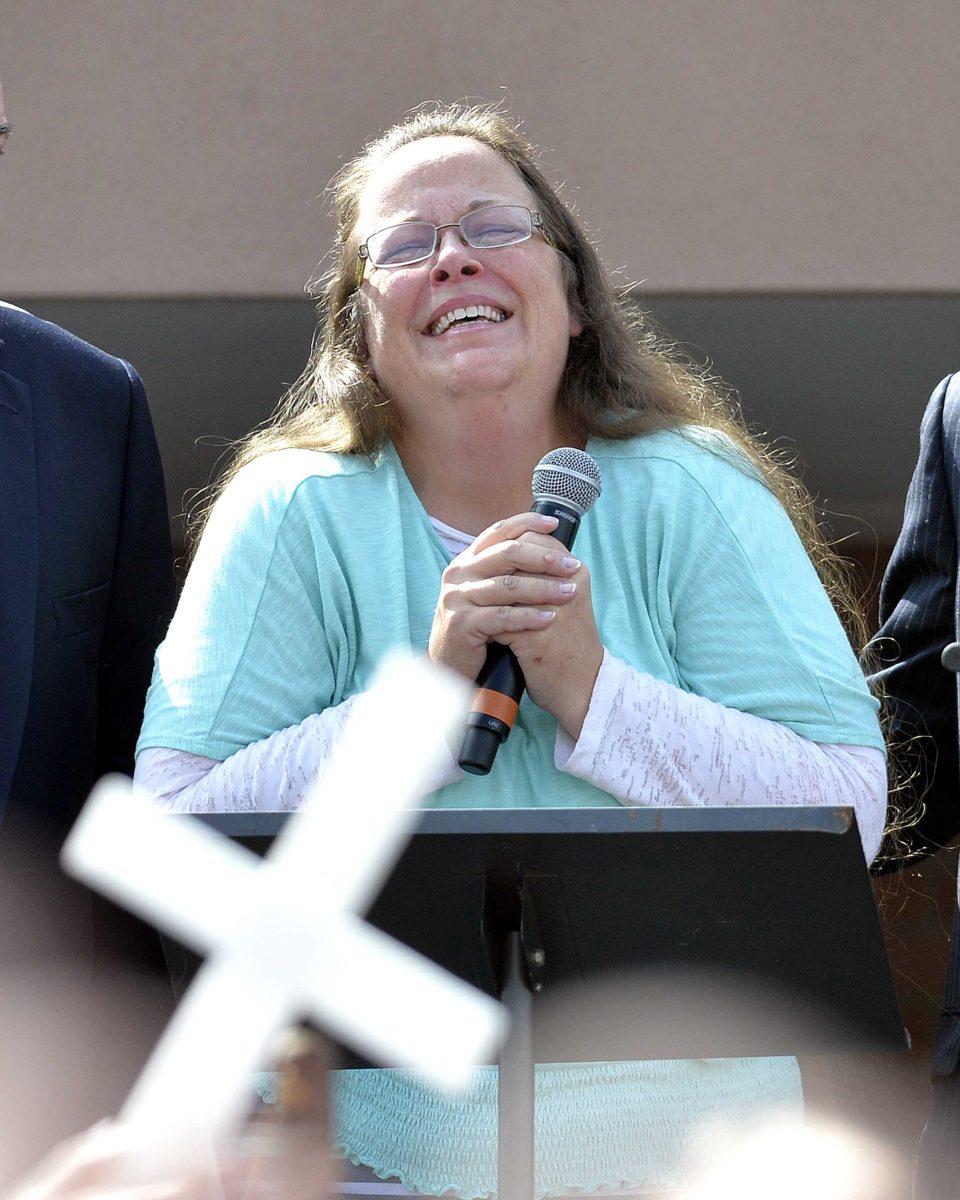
<point x="688" y="655"/>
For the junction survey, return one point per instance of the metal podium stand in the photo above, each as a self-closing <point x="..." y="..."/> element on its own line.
<point x="533" y="905"/>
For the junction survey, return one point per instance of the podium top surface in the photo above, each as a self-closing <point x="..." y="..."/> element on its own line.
<point x="493" y="821"/>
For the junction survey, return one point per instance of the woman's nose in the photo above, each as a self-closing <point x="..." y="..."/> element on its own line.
<point x="454" y="257"/>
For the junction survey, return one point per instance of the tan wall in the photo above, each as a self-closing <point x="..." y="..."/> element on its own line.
<point x="174" y="147"/>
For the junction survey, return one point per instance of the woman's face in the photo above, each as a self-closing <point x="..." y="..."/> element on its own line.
<point x="440" y="179"/>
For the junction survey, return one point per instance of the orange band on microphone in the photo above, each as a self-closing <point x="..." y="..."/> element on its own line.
<point x="495" y="704"/>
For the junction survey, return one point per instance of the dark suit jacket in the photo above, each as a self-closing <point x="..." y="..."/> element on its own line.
<point x="86" y="590"/>
<point x="86" y="572"/>
<point x="919" y="617"/>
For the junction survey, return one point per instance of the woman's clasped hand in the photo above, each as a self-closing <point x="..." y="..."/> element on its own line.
<point x="518" y="586"/>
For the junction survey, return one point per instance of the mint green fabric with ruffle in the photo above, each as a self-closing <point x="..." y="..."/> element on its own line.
<point x="598" y="1125"/>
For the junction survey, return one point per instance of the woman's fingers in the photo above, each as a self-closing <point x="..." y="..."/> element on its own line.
<point x="537" y="556"/>
<point x="494" y="623"/>
<point x="513" y="527"/>
<point x="461" y="633"/>
<point x="519" y="589"/>
<point x="521" y="543"/>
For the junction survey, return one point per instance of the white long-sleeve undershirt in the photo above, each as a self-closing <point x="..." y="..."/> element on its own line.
<point x="644" y="741"/>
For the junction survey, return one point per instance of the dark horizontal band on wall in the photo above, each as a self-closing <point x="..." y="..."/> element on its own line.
<point x="838" y="380"/>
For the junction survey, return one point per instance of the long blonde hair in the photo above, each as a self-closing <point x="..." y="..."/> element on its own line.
<point x="622" y="377"/>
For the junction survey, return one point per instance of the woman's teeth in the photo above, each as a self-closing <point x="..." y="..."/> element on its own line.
<point x="472" y="312"/>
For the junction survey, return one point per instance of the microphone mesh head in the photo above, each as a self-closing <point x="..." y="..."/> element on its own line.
<point x="567" y="475"/>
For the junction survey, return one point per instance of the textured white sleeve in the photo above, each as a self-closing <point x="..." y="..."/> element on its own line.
<point x="649" y="743"/>
<point x="268" y="776"/>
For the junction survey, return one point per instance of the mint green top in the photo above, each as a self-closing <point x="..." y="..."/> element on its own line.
<point x="314" y="565"/>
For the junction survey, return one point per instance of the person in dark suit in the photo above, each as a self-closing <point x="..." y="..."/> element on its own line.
<point x="919" y="658"/>
<point x="86" y="590"/>
<point x="86" y="570"/>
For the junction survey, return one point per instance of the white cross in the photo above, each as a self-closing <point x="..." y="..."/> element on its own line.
<point x="283" y="937"/>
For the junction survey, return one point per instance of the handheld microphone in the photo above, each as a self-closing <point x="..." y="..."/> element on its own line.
<point x="566" y="482"/>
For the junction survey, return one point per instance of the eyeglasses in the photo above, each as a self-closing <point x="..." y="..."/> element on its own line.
<point x="486" y="228"/>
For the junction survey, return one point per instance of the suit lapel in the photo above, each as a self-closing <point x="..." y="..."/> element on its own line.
<point x="19" y="567"/>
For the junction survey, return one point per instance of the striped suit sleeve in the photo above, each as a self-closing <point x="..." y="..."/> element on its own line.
<point x="917" y="615"/>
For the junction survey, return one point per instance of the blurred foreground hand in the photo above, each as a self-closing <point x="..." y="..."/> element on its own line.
<point x="281" y="1152"/>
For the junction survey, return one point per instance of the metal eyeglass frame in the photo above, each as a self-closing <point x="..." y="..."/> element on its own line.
<point x="536" y="226"/>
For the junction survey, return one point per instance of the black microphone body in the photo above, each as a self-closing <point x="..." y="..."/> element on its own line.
<point x="500" y="683"/>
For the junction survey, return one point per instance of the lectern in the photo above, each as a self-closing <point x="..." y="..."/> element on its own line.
<point x="739" y="931"/>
